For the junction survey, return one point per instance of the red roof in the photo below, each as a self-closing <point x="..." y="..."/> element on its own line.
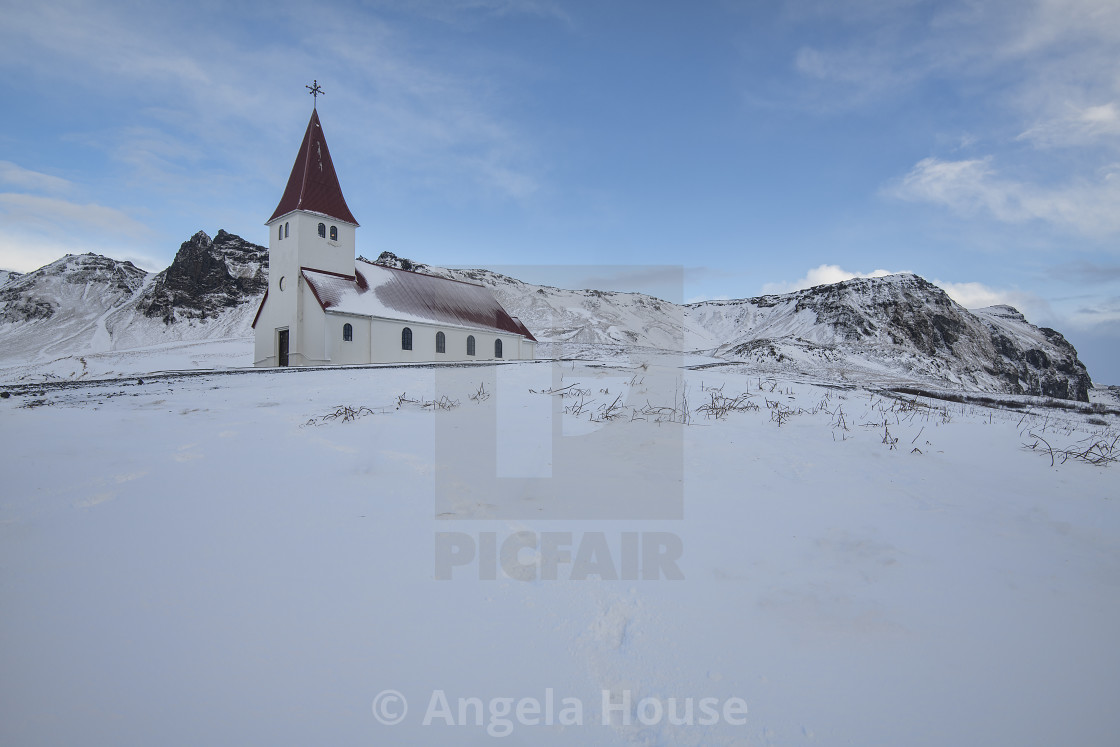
<point x="313" y="185"/>
<point x="387" y="292"/>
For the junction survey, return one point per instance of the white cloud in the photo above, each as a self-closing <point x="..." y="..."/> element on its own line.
<point x="973" y="186"/>
<point x="822" y="275"/>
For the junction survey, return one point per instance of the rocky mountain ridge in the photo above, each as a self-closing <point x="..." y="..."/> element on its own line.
<point x="897" y="328"/>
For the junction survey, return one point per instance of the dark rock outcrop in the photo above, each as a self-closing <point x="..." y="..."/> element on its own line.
<point x="207" y="276"/>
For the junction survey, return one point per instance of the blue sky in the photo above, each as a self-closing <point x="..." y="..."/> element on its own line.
<point x="764" y="146"/>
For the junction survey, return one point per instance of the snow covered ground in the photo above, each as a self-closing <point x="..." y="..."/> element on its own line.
<point x="213" y="558"/>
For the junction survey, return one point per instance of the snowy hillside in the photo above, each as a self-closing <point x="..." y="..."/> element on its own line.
<point x="198" y="314"/>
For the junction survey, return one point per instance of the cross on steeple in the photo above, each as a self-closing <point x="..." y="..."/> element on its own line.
<point x="315" y="90"/>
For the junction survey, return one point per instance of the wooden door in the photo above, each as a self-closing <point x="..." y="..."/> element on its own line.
<point x="283" y="347"/>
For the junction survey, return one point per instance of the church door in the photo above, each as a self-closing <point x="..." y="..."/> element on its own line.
<point x="283" y="347"/>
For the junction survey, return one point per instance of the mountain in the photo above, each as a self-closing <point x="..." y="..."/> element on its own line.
<point x="902" y="324"/>
<point x="83" y="315"/>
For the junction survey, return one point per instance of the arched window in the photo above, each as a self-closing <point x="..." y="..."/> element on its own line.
<point x="322" y="230"/>
<point x="334" y="233"/>
<point x="441" y="342"/>
<point x="406" y="339"/>
<point x="497" y="348"/>
<point x="286" y="234"/>
<point x="279" y="232"/>
<point x="347" y="333"/>
<point x="470" y="344"/>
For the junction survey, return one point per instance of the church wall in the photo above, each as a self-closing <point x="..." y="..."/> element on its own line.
<point x="309" y="348"/>
<point x="322" y="253"/>
<point x="341" y="351"/>
<point x="386" y="343"/>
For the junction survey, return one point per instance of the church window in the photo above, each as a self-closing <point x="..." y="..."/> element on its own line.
<point x="406" y="339"/>
<point x="334" y="233"/>
<point x="497" y="348"/>
<point x="441" y="342"/>
<point x="286" y="234"/>
<point x="470" y="344"/>
<point x="280" y="232"/>
<point x="322" y="230"/>
<point x="347" y="333"/>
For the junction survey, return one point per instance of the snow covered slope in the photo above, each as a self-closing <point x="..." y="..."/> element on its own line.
<point x="61" y="309"/>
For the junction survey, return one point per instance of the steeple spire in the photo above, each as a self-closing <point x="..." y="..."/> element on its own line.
<point x="313" y="185"/>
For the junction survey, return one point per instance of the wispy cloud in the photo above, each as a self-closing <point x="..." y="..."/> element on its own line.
<point x="49" y="213"/>
<point x="14" y="175"/>
<point x="196" y="96"/>
<point x="971" y="187"/>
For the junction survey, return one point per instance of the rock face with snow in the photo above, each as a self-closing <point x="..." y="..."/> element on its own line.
<point x="207" y="277"/>
<point x="1039" y="360"/>
<point x="8" y="275"/>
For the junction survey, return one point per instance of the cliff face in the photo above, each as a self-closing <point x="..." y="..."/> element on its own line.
<point x="207" y="277"/>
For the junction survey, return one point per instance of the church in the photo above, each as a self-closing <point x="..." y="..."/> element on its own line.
<point x="324" y="307"/>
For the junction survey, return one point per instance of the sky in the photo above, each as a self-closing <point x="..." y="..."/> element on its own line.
<point x="762" y="146"/>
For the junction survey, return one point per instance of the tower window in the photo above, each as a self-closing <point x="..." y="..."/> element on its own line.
<point x="441" y="342"/>
<point x="470" y="344"/>
<point x="406" y="339"/>
<point x="322" y="230"/>
<point x="279" y="232"/>
<point x="334" y="233"/>
<point x="497" y="348"/>
<point x="286" y="229"/>
<point x="347" y="333"/>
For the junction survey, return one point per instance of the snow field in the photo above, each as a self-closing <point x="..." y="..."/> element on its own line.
<point x="190" y="560"/>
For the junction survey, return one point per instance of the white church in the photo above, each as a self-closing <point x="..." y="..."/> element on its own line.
<point x="323" y="307"/>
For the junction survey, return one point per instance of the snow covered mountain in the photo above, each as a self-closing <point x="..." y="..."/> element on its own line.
<point x="65" y="319"/>
<point x="899" y="328"/>
<point x="88" y="315"/>
<point x="900" y="325"/>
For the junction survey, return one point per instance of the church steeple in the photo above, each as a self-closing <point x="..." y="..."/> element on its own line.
<point x="313" y="185"/>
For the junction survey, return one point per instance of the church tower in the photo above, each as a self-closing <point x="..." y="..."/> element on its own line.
<point x="311" y="228"/>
